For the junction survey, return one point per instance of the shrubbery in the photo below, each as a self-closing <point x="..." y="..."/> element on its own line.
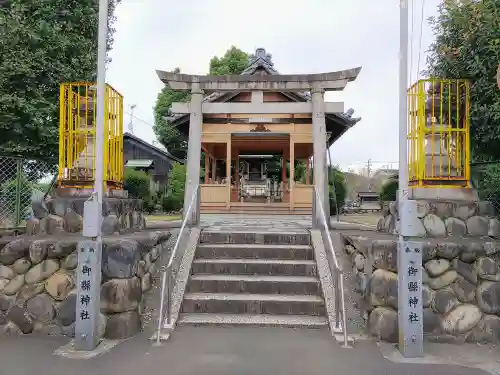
<point x="389" y="191"/>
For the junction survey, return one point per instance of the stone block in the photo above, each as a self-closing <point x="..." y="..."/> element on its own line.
<point x="38" y="250"/>
<point x="14" y="250"/>
<point x="448" y="250"/>
<point x="434" y="226"/>
<point x="27" y="292"/>
<point x="14" y="285"/>
<point x="487" y="297"/>
<point x="443" y="281"/>
<point x="437" y="267"/>
<point x="52" y="224"/>
<point x="59" y="285"/>
<point x="384" y="288"/>
<point x="428" y="296"/>
<point x="477" y="226"/>
<point x="110" y="225"/>
<point x="431" y="321"/>
<point x="62" y="249"/>
<point x="120" y="295"/>
<point x="429" y="251"/>
<point x="21" y="266"/>
<point x="465" y="270"/>
<point x="42" y="308"/>
<point x="471" y="251"/>
<point x="6" y="272"/>
<point x="39" y="208"/>
<point x="455" y="227"/>
<point x="383" y="324"/>
<point x="485" y="208"/>
<point x="443" y="210"/>
<point x="461" y="319"/>
<point x="122" y="325"/>
<point x="146" y="282"/>
<point x="120" y="259"/>
<point x="464" y="211"/>
<point x="32" y="226"/>
<point x="444" y="301"/>
<point x="494" y="228"/>
<point x="66" y="313"/>
<point x="486" y="331"/>
<point x="487" y="269"/>
<point x="42" y="271"/>
<point x="21" y="318"/>
<point x="6" y="302"/>
<point x="464" y="290"/>
<point x="384" y="254"/>
<point x="72" y="222"/>
<point x="70" y="262"/>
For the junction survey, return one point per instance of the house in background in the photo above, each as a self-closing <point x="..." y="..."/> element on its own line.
<point x="141" y="155"/>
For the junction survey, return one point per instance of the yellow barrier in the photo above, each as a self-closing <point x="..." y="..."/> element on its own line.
<point x="439" y="133"/>
<point x="77" y="130"/>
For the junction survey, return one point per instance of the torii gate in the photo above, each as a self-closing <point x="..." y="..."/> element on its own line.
<point x="317" y="84"/>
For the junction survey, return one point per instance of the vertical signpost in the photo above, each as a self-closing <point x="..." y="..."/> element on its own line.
<point x="409" y="252"/>
<point x="90" y="250"/>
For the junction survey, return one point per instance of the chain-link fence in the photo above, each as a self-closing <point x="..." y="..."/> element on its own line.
<point x="22" y="181"/>
<point x="485" y="177"/>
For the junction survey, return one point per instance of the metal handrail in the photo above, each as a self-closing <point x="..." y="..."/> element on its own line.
<point x="339" y="273"/>
<point x="167" y="281"/>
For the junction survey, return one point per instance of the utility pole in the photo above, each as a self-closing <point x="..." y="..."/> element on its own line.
<point x="410" y="308"/>
<point x="369" y="167"/>
<point x="90" y="250"/>
<point x="131" y="123"/>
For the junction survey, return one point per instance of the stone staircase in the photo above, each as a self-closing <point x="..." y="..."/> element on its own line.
<point x="254" y="278"/>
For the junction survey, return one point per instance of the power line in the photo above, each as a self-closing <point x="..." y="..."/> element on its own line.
<point x="138" y="118"/>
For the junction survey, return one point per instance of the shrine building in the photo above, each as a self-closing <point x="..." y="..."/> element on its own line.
<point x="252" y="129"/>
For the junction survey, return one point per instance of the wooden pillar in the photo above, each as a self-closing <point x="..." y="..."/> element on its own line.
<point x="292" y="170"/>
<point x="214" y="170"/>
<point x="228" y="170"/>
<point x="237" y="171"/>
<point x="207" y="167"/>
<point x="283" y="169"/>
<point x="308" y="172"/>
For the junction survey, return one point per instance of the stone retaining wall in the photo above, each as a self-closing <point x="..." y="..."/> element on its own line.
<point x="38" y="276"/>
<point x="460" y="292"/>
<point x="445" y="219"/>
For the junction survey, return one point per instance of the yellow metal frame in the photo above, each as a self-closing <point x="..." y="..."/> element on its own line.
<point x="439" y="133"/>
<point x="77" y="132"/>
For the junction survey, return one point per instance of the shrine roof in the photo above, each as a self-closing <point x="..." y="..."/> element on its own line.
<point x="261" y="63"/>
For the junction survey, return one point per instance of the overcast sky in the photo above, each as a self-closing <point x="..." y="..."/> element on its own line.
<point x="310" y="36"/>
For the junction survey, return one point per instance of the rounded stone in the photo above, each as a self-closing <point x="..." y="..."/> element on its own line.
<point x="455" y="227"/>
<point x="359" y="262"/>
<point x="52" y="224"/>
<point x="384" y="254"/>
<point x="72" y="222"/>
<point x="486" y="331"/>
<point x="442" y="281"/>
<point x="461" y="319"/>
<point x="477" y="226"/>
<point x="66" y="313"/>
<point x="464" y="290"/>
<point x="69" y="330"/>
<point x="464" y="211"/>
<point x="437" y="267"/>
<point x="38" y="250"/>
<point x="485" y="208"/>
<point x="14" y="250"/>
<point x="434" y="226"/>
<point x="59" y="285"/>
<point x="41" y="307"/>
<point x="3" y="282"/>
<point x="494" y="228"/>
<point x="486" y="268"/>
<point x="70" y="262"/>
<point x="21" y="266"/>
<point x="155" y="252"/>
<point x="429" y="251"/>
<point x="488" y="297"/>
<point x="444" y="301"/>
<point x="6" y="272"/>
<point x="384" y="288"/>
<point x="422" y="209"/>
<point x="3" y="318"/>
<point x="471" y="251"/>
<point x="62" y="249"/>
<point x="383" y="324"/>
<point x="42" y="271"/>
<point x="349" y="249"/>
<point x="491" y="248"/>
<point x="27" y="292"/>
<point x="120" y="259"/>
<point x="141" y="268"/>
<point x="21" y="318"/>
<point x="11" y="330"/>
<point x="120" y="295"/>
<point x="465" y="270"/>
<point x="122" y="325"/>
<point x="448" y="250"/>
<point x="14" y="285"/>
<point x="110" y="225"/>
<point x="6" y="302"/>
<point x="431" y="321"/>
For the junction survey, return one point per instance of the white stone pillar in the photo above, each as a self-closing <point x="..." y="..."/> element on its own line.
<point x="194" y="146"/>
<point x="319" y="148"/>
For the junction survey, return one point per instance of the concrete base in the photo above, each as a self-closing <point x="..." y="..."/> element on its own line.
<point x="69" y="351"/>
<point x="447" y="194"/>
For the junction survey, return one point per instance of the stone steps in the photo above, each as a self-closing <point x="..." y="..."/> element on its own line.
<point x="246" y="303"/>
<point x="253" y="320"/>
<point x="254" y="251"/>
<point x="239" y="266"/>
<point x="254" y="277"/>
<point x="214" y="283"/>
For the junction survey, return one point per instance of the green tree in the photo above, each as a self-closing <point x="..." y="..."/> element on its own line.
<point x="234" y="61"/>
<point x="43" y="43"/>
<point x="467" y="45"/>
<point x="389" y="191"/>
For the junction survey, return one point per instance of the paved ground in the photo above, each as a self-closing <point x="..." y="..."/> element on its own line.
<point x="216" y="351"/>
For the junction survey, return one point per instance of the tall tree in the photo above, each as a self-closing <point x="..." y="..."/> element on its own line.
<point x="467" y="45"/>
<point x="43" y="43"/>
<point x="234" y="61"/>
